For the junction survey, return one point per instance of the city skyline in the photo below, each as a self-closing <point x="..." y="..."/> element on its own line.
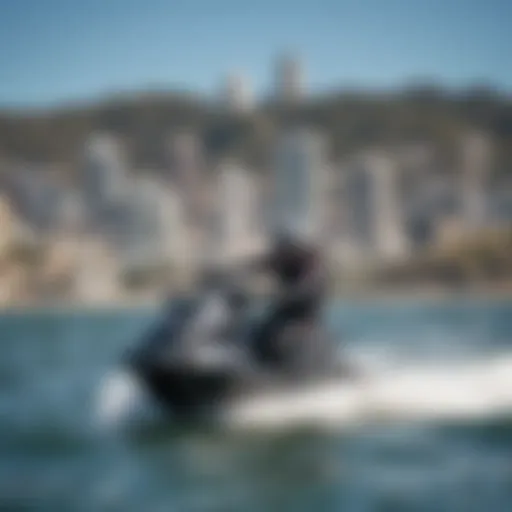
<point x="137" y="225"/>
<point x="67" y="51"/>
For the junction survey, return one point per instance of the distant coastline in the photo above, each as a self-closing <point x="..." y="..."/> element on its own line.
<point x="395" y="297"/>
<point x="426" y="295"/>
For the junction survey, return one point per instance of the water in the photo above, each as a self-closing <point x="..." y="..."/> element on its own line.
<point x="54" y="455"/>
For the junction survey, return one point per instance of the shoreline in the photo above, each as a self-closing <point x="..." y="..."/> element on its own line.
<point x="422" y="295"/>
<point x="395" y="297"/>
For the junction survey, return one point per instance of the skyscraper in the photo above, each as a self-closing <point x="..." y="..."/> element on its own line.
<point x="237" y="96"/>
<point x="299" y="189"/>
<point x="387" y="217"/>
<point x="289" y="78"/>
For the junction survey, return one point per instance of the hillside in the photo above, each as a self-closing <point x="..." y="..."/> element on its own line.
<point x="349" y="120"/>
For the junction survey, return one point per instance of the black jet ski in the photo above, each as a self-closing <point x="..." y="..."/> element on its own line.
<point x="199" y="356"/>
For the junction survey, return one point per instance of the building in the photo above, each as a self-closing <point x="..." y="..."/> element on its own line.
<point x="186" y="157"/>
<point x="450" y="233"/>
<point x="289" y="79"/>
<point x="388" y="222"/>
<point x="13" y="230"/>
<point x="150" y="228"/>
<point x="299" y="188"/>
<point x="13" y="275"/>
<point x="426" y="205"/>
<point x="476" y="154"/>
<point x="96" y="277"/>
<point x="7" y="227"/>
<point x="356" y="208"/>
<point x="35" y="196"/>
<point x="70" y="212"/>
<point x="500" y="202"/>
<point x="237" y="95"/>
<point x="56" y="274"/>
<point x="105" y="180"/>
<point x="237" y="229"/>
<point x="390" y="235"/>
<point x="375" y="227"/>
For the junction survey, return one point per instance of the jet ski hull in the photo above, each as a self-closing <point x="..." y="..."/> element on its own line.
<point x="189" y="392"/>
<point x="192" y="376"/>
<point x="185" y="391"/>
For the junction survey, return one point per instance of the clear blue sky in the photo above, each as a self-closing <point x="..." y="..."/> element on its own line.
<point x="61" y="50"/>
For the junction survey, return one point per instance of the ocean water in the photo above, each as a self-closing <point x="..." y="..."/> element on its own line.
<point x="56" y="456"/>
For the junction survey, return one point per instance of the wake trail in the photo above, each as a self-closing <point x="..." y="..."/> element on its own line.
<point x="460" y="391"/>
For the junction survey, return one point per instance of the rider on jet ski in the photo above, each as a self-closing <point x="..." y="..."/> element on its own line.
<point x="298" y="269"/>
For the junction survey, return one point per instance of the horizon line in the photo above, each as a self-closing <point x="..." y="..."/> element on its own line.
<point x="133" y="93"/>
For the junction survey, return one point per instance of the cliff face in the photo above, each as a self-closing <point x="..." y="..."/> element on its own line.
<point x="350" y="121"/>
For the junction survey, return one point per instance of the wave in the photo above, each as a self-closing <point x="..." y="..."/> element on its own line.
<point x="416" y="392"/>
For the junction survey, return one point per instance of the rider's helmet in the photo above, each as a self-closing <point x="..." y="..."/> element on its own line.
<point x="290" y="238"/>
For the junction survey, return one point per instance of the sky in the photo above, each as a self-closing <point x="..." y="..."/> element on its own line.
<point x="59" y="51"/>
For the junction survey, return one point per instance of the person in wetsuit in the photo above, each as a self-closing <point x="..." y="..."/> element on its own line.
<point x="299" y="271"/>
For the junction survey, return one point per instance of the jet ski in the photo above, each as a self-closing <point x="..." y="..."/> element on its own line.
<point x="199" y="358"/>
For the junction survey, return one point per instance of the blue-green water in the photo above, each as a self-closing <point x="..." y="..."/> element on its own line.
<point x="53" y="459"/>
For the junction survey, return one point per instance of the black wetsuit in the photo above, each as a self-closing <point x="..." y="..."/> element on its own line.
<point x="300" y="275"/>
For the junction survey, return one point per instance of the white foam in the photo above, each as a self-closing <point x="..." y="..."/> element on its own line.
<point x="120" y="399"/>
<point x="421" y="393"/>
